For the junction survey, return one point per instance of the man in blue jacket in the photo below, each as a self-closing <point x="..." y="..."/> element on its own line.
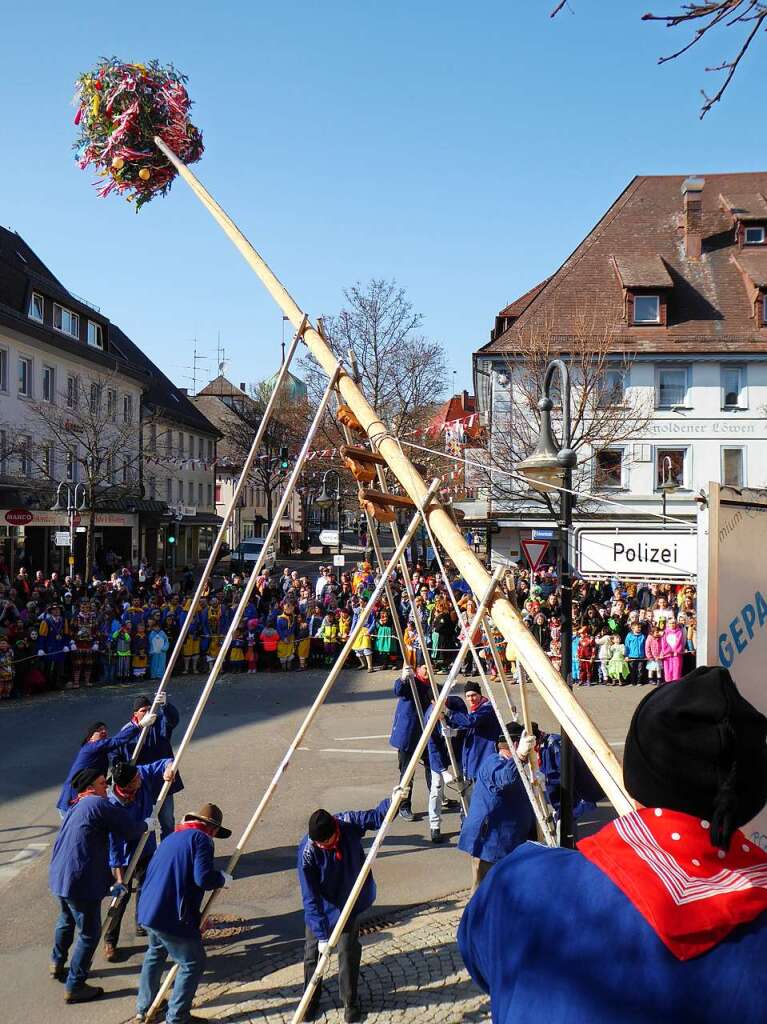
<point x="500" y="817"/>
<point x="136" y="789"/>
<point x="406" y="727"/>
<point x="157" y="746"/>
<point x="329" y="859"/>
<point x="80" y="878"/>
<point x="480" y="726"/>
<point x="176" y="880"/>
<point x="662" y="915"/>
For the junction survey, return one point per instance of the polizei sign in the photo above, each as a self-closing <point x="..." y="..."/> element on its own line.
<point x="645" y="554"/>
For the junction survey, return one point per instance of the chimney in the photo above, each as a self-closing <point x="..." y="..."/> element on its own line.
<point x="692" y="190"/>
<point x="183" y="391"/>
<point x="242" y="386"/>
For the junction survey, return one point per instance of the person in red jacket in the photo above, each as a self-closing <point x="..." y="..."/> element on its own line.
<point x="587" y="657"/>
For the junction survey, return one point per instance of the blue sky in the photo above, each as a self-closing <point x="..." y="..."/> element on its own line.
<point x="464" y="149"/>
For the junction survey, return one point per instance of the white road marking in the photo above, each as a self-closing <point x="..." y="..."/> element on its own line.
<point x="20" y="860"/>
<point x="341" y="739"/>
<point x="353" y="750"/>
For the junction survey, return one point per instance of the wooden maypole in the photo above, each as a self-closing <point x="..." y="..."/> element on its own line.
<point x="587" y="738"/>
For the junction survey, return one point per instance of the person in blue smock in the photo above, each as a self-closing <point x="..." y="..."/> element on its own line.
<point x="500" y="816"/>
<point x="96" y="749"/>
<point x="330" y="857"/>
<point x="479" y="725"/>
<point x="662" y="915"/>
<point x="157" y="746"/>
<point x="169" y="908"/>
<point x="406" y="727"/>
<point x="79" y="877"/>
<point x="135" y="788"/>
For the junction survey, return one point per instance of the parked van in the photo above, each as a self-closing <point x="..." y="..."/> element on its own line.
<point x="247" y="553"/>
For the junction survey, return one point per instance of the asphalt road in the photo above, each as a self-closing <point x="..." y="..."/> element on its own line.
<point x="247" y="726"/>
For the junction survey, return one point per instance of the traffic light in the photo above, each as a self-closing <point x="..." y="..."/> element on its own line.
<point x="171" y="538"/>
<point x="284" y="462"/>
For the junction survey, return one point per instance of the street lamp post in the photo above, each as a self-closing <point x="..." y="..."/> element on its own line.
<point x="325" y="500"/>
<point x="73" y="507"/>
<point x="548" y="469"/>
<point x="668" y="484"/>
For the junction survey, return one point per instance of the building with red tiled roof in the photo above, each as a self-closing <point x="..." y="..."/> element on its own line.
<point x="675" y="274"/>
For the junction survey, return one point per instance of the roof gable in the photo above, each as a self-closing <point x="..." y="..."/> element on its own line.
<point x="709" y="306"/>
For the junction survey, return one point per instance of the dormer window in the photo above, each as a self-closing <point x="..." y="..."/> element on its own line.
<point x="754" y="236"/>
<point x="647" y="286"/>
<point x="95" y="335"/>
<point x="66" y="321"/>
<point x="36" y="307"/>
<point x="646" y="309"/>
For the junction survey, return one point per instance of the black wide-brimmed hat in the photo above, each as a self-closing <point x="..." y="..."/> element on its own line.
<point x="210" y="814"/>
<point x="698" y="746"/>
<point x="123" y="773"/>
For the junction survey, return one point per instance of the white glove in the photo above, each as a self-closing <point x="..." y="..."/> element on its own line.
<point x="161" y="698"/>
<point x="73" y="646"/>
<point x="118" y="889"/>
<point x="406" y="673"/>
<point x="152" y="824"/>
<point x="95" y="645"/>
<point x="322" y="946"/>
<point x="228" y="879"/>
<point x="41" y="654"/>
<point x="525" y="745"/>
<point x="148" y="721"/>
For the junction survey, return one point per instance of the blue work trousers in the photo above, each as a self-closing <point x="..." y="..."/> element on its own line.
<point x="189" y="954"/>
<point x="85" y="917"/>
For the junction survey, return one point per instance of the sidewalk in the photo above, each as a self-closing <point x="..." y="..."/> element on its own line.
<point x="411" y="972"/>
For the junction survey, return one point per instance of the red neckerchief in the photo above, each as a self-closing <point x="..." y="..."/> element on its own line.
<point x="124" y="795"/>
<point x="81" y="796"/>
<point x="690" y="893"/>
<point x="334" y="843"/>
<point x="478" y="705"/>
<point x="184" y="826"/>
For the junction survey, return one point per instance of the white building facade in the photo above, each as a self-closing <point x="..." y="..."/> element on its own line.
<point x="685" y="301"/>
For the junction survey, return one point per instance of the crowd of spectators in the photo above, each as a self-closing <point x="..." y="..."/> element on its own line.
<point x="61" y="632"/>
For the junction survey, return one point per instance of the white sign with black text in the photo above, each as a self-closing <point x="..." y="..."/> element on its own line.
<point x="649" y="554"/>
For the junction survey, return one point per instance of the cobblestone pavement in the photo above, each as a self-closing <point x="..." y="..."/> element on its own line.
<point x="411" y="971"/>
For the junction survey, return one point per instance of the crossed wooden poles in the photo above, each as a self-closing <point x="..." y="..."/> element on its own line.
<point x="588" y="740"/>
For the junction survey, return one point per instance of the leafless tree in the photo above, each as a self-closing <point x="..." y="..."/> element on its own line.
<point x="704" y="18"/>
<point x="82" y="437"/>
<point x="284" y="435"/>
<point x="603" y="414"/>
<point x="402" y="373"/>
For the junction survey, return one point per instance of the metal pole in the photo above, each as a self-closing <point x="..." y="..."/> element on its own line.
<point x="566" y="824"/>
<point x="311" y="714"/>
<point x="405" y="781"/>
<point x="338" y="493"/>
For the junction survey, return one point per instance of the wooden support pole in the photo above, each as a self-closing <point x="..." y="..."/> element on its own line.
<point x="215" y="550"/>
<point x="311" y="714"/>
<point x="237" y="617"/>
<point x="454" y="767"/>
<point x="590" y="743"/>
<point x="391" y="813"/>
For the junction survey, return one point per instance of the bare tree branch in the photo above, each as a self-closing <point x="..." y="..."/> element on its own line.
<point x="705" y="18"/>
